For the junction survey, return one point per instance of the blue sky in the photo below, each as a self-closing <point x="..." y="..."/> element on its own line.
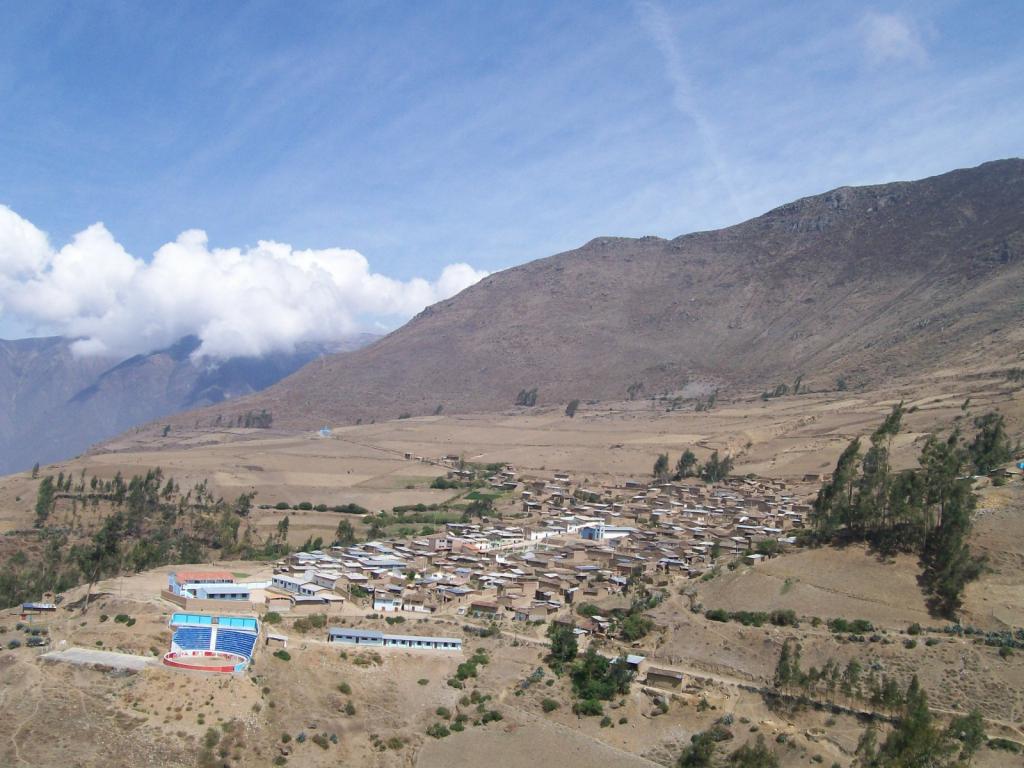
<point x="428" y="134"/>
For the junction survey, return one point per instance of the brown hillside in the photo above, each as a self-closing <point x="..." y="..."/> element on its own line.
<point x="868" y="282"/>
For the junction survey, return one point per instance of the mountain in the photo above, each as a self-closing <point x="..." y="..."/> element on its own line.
<point x="865" y="283"/>
<point x="54" y="404"/>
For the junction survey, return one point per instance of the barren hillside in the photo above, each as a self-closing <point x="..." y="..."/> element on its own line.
<point x="867" y="283"/>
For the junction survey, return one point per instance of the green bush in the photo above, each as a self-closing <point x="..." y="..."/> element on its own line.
<point x="588" y="708"/>
<point x="716" y="614"/>
<point x="283" y="655"/>
<point x="438" y="731"/>
<point x="304" y="505"/>
<point x="549" y="705"/>
<point x="272" y="617"/>
<point x="422" y="681"/>
<point x="345" y="688"/>
<point x="350" y="708"/>
<point x="914" y="629"/>
<point x="443" y="712"/>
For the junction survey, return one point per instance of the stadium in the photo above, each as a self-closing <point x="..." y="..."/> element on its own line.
<point x="221" y="644"/>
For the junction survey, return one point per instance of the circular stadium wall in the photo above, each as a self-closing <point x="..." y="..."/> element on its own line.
<point x="206" y="661"/>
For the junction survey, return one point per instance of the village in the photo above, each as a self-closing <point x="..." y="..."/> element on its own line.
<point x="570" y="545"/>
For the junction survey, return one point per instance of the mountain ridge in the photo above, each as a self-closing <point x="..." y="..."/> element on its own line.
<point x="55" y="404"/>
<point x="860" y="282"/>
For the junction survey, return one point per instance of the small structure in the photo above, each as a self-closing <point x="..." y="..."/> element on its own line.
<point x="184" y="583"/>
<point x="370" y="637"/>
<point x="664" y="678"/>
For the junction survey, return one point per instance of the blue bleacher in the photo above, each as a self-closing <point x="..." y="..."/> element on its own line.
<point x="192" y="638"/>
<point x="230" y="641"/>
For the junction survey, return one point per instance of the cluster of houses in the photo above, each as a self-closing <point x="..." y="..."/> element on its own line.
<point x="572" y="544"/>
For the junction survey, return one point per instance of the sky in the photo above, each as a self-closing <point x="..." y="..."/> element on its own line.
<point x="267" y="173"/>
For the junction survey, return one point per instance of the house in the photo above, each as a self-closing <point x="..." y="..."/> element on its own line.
<point x="484" y="610"/>
<point x="386" y="601"/>
<point x="373" y="638"/>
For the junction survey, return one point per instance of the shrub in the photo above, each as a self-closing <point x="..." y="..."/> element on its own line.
<point x="491" y="716"/>
<point x="283" y="655"/>
<point x="549" y="705"/>
<point x="103" y="617"/>
<point x="122" y="618"/>
<point x="272" y="617"/>
<point x="717" y="614"/>
<point x="345" y="688"/>
<point x="606" y="721"/>
<point x="438" y="731"/>
<point x="910" y="643"/>
<point x="304" y="505"/>
<point x="282" y="505"/>
<point x="211" y="738"/>
<point x="285" y="738"/>
<point x="914" y="629"/>
<point x="321" y="741"/>
<point x="350" y="708"/>
<point x="443" y="712"/>
<point x="422" y="681"/>
<point x="16" y="644"/>
<point x="784" y="618"/>
<point x="1005" y="745"/>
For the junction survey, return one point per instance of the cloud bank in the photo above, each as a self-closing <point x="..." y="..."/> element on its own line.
<point x="238" y="301"/>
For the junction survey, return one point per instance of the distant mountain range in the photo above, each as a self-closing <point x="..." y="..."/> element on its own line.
<point x="54" y="405"/>
<point x="863" y="283"/>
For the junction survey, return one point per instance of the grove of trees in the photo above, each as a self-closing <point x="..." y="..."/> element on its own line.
<point x="926" y="510"/>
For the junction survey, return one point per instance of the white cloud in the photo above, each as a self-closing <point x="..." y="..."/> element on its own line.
<point x="238" y="301"/>
<point x="890" y="37"/>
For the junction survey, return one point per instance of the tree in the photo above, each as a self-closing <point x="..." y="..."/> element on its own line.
<point x="715" y="469"/>
<point x="45" y="500"/>
<point x="635" y="626"/>
<point x="969" y="730"/>
<point x="527" y="397"/>
<point x="282" y="528"/>
<point x="661" y="467"/>
<point x="787" y="671"/>
<point x="570" y="409"/>
<point x="35" y="470"/>
<point x="915" y="741"/>
<point x="948" y="562"/>
<point x="991" y="446"/>
<point x="563" y="644"/>
<point x="686" y="466"/>
<point x="699" y="753"/>
<point x="345" y="534"/>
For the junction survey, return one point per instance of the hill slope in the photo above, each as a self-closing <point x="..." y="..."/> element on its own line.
<point x="54" y="404"/>
<point x="862" y="282"/>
